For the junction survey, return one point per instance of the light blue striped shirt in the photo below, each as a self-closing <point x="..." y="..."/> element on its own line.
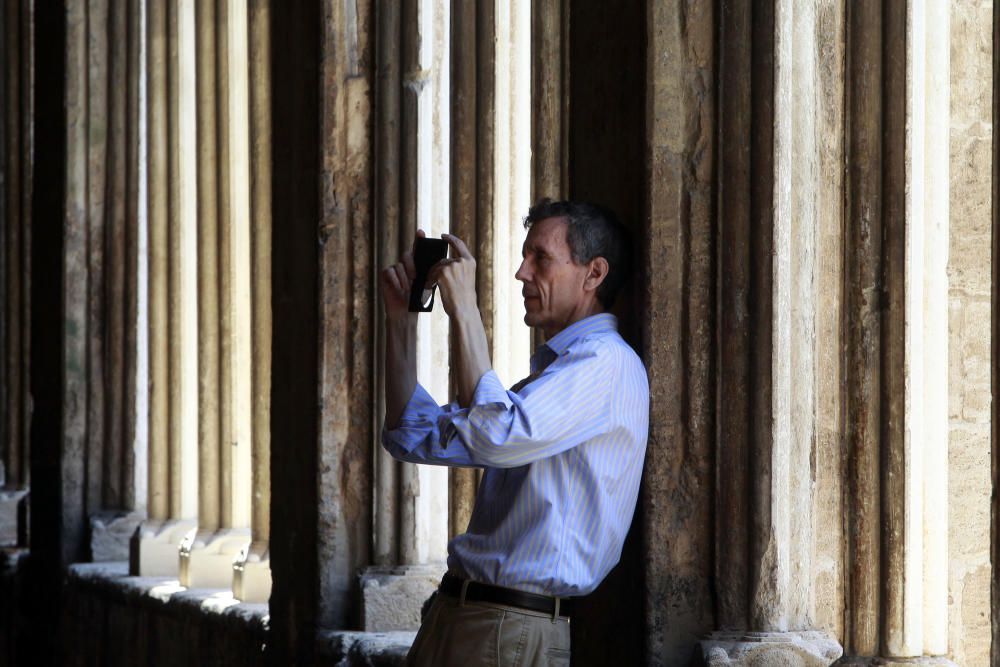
<point x="562" y="454"/>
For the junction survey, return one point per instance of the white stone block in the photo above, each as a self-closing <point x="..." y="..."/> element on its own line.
<point x="206" y="558"/>
<point x="155" y="547"/>
<point x="252" y="574"/>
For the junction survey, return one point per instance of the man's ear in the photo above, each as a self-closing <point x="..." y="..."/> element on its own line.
<point x="598" y="271"/>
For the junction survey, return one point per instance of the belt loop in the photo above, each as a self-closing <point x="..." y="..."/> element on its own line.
<point x="555" y="614"/>
<point x="461" y="595"/>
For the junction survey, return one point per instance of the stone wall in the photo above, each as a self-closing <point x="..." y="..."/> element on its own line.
<point x="112" y="619"/>
<point x="969" y="333"/>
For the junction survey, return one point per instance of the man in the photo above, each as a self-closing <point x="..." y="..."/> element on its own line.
<point x="562" y="450"/>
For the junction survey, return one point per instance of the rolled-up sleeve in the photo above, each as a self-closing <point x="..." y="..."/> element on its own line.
<point x="565" y="406"/>
<point x="417" y="438"/>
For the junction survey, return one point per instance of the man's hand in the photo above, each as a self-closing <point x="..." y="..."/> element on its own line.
<point x="456" y="277"/>
<point x="395" y="282"/>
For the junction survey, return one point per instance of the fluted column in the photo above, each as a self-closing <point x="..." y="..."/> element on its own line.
<point x="472" y="149"/>
<point x="897" y="342"/>
<point x="770" y="183"/>
<point x="413" y="146"/>
<point x="252" y="569"/>
<point x="207" y="560"/>
<point x="173" y="317"/>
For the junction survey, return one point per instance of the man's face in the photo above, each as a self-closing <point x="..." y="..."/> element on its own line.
<point x="553" y="283"/>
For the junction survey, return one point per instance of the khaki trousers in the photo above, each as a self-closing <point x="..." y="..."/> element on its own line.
<point x="481" y="633"/>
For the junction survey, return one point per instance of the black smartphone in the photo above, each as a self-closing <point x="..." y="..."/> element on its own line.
<point x="426" y="253"/>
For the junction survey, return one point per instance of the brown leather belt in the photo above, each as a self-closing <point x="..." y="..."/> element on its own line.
<point x="478" y="592"/>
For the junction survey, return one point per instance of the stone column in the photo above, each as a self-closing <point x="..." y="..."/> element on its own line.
<point x="896" y="249"/>
<point x="350" y="234"/>
<point x="472" y="138"/>
<point x="512" y="186"/>
<point x="677" y="495"/>
<point x="112" y="247"/>
<point x="768" y="362"/>
<point x="252" y="569"/>
<point x="173" y="429"/>
<point x="207" y="560"/>
<point x="411" y="512"/>
<point x="16" y="267"/>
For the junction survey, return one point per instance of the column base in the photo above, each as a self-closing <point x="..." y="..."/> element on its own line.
<point x="13" y="517"/>
<point x="154" y="547"/>
<point x="252" y="574"/>
<point x="757" y="649"/>
<point x="392" y="597"/>
<point x="924" y="661"/>
<point x="206" y="557"/>
<point x="111" y="535"/>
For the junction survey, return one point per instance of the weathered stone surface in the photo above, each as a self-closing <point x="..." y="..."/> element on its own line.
<point x="770" y="649"/>
<point x="368" y="649"/>
<point x="969" y="275"/>
<point x="391" y="599"/>
<point x="110" y="533"/>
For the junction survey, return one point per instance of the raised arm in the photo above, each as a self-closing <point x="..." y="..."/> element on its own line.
<point x="401" y="337"/>
<point x="457" y="279"/>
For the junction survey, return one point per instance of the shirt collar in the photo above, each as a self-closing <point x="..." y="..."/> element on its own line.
<point x="600" y="323"/>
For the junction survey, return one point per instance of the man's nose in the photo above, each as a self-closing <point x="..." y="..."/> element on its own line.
<point x="522" y="273"/>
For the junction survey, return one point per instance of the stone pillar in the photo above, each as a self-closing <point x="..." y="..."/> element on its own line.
<point x="472" y="148"/>
<point x="252" y="569"/>
<point x="388" y="43"/>
<point x="676" y="237"/>
<point x="207" y="559"/>
<point x="15" y="285"/>
<point x="411" y="511"/>
<point x="173" y="429"/>
<point x="112" y="247"/>
<point x="349" y="239"/>
<point x="512" y="185"/>
<point x="770" y="195"/>
<point x="896" y="249"/>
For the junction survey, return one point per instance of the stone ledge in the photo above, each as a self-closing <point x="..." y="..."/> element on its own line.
<point x="368" y="649"/>
<point x="165" y="595"/>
